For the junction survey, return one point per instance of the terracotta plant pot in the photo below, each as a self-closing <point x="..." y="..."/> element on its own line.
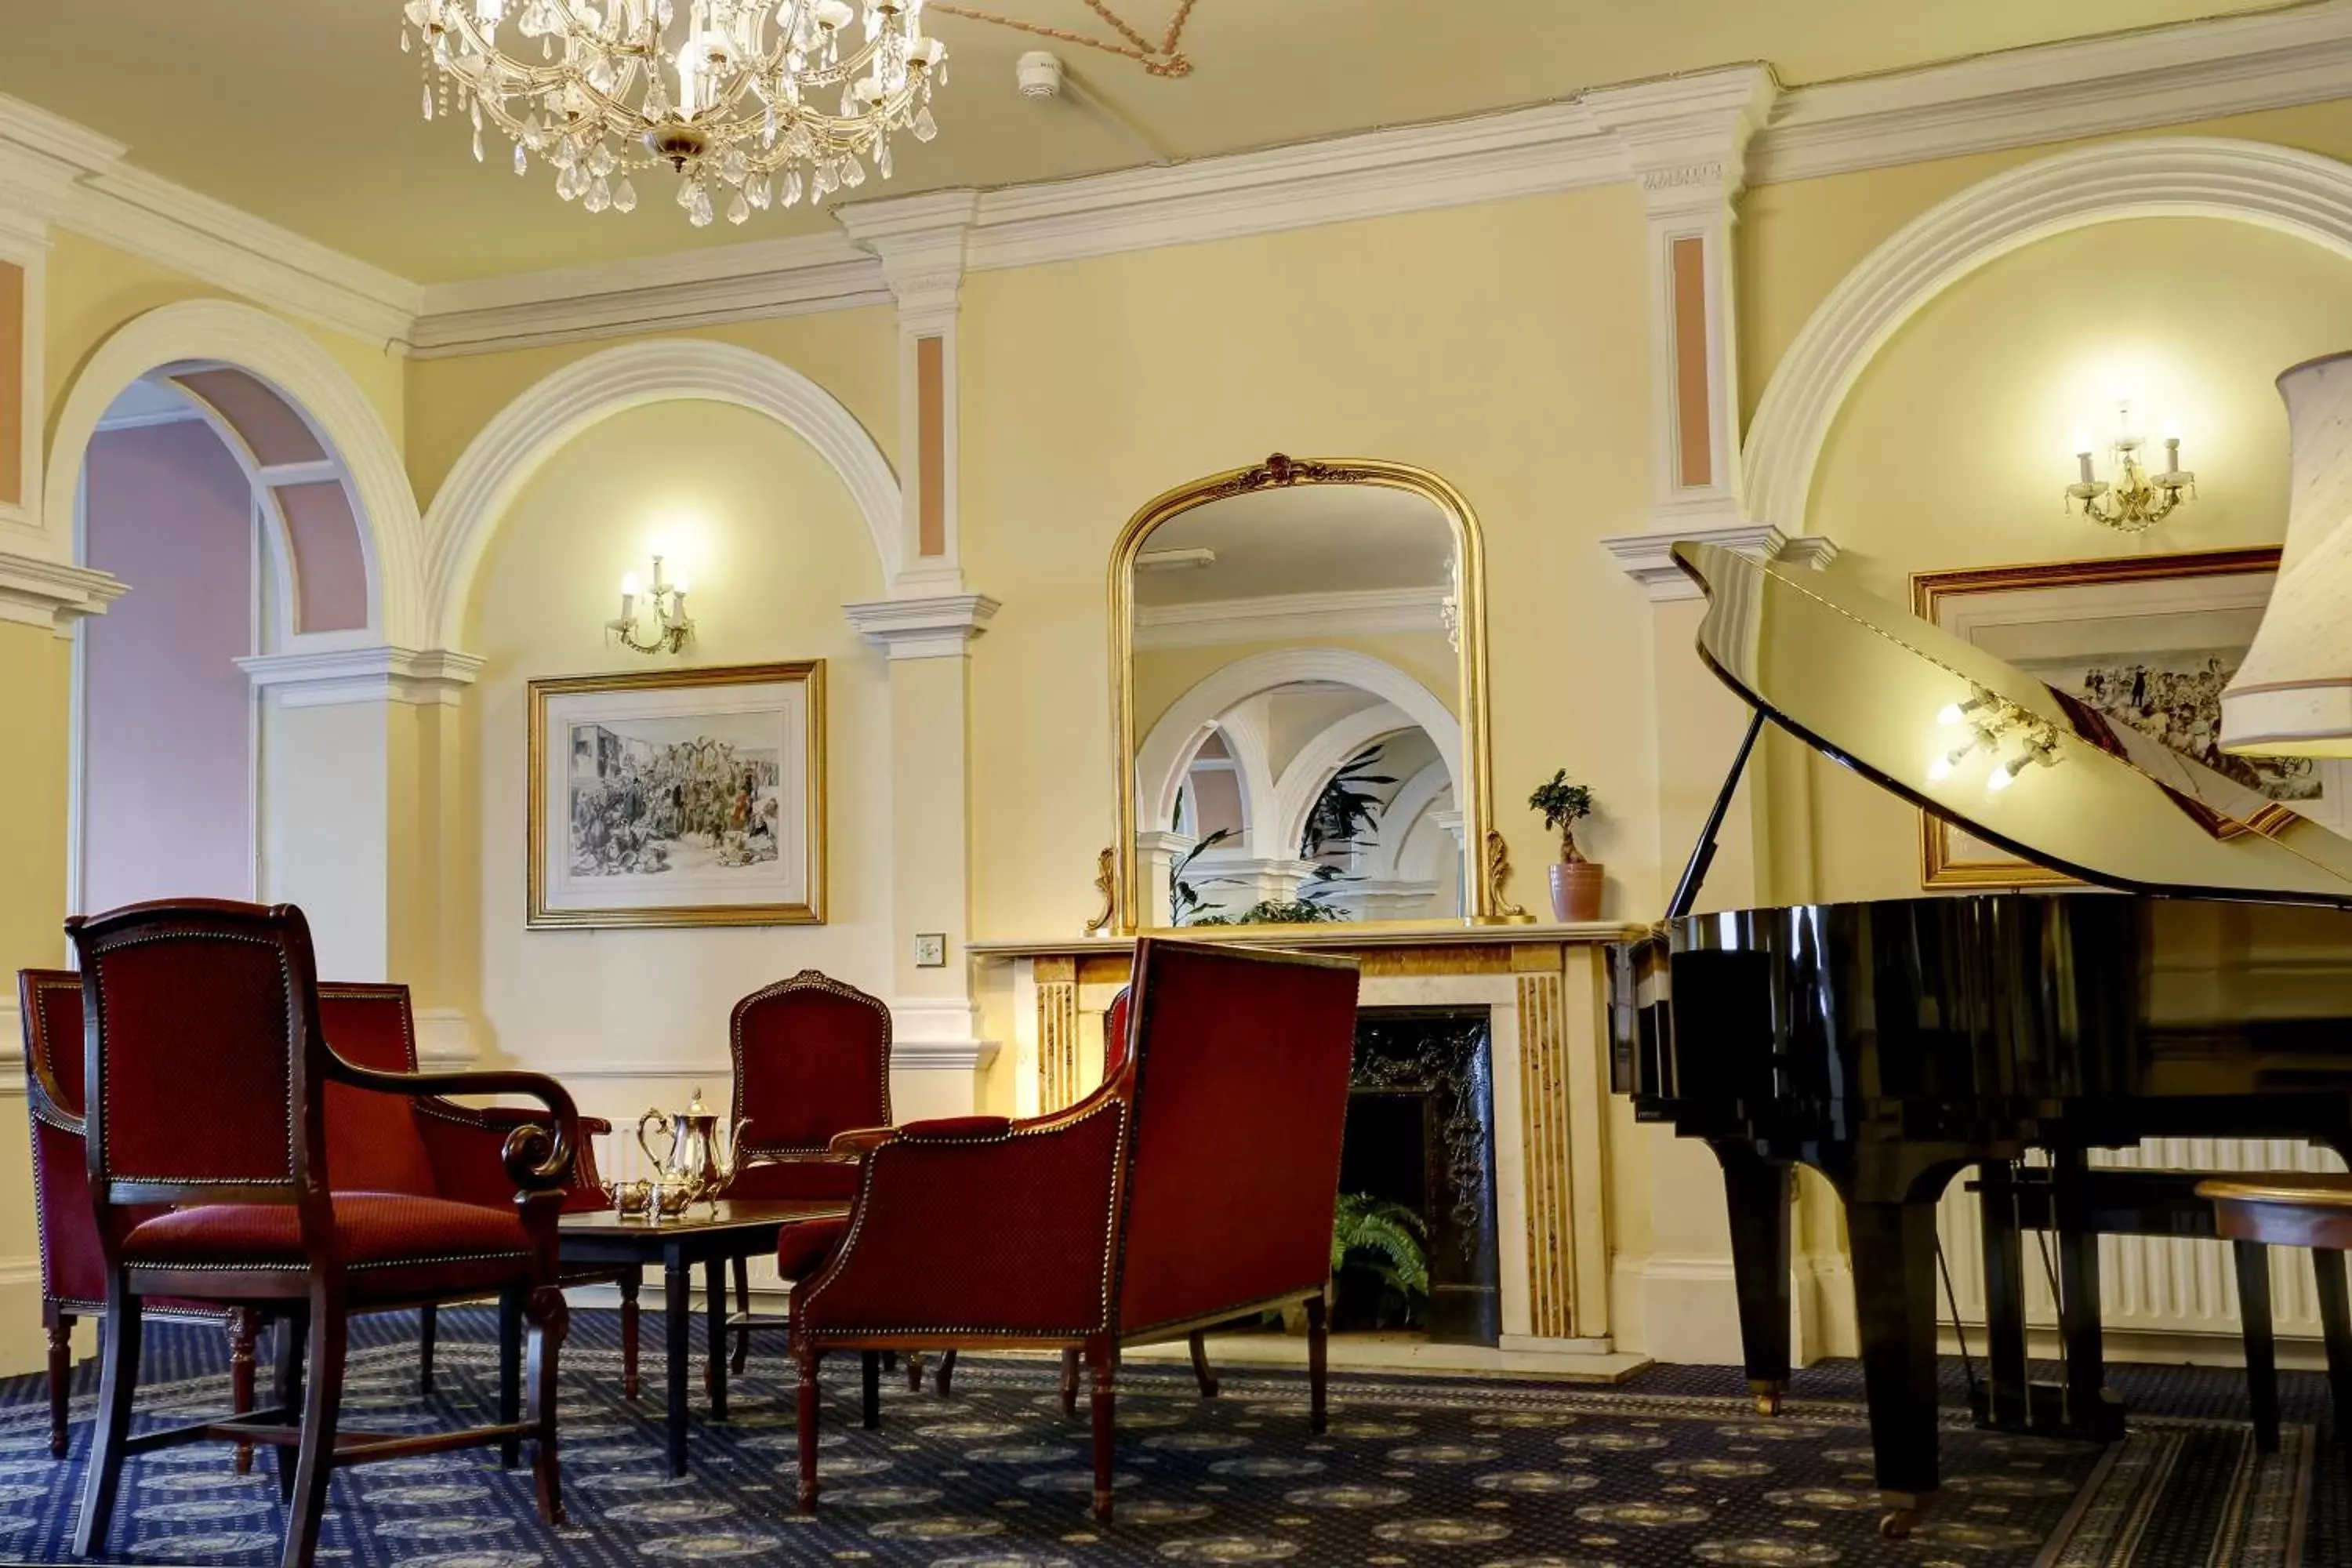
<point x="1576" y="890"/>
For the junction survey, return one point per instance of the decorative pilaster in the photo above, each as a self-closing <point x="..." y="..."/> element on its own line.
<point x="340" y="676"/>
<point x="920" y="244"/>
<point x="1687" y="140"/>
<point x="42" y="159"/>
<point x="1544" y="1134"/>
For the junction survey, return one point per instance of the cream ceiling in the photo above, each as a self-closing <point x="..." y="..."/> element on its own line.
<point x="304" y="112"/>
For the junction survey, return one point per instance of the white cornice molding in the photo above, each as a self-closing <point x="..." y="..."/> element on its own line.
<point x="2056" y="92"/>
<point x="171" y="226"/>
<point x="1648" y="559"/>
<point x="37" y="592"/>
<point x="1370" y="612"/>
<point x="758" y="279"/>
<point x="2094" y="87"/>
<point x="340" y="676"/>
<point x="939" y="626"/>
<point x="937" y="1033"/>
<point x="922" y="244"/>
<point x="43" y="156"/>
<point x="1686" y="138"/>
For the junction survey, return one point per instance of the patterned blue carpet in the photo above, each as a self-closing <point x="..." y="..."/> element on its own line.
<point x="1672" y="1468"/>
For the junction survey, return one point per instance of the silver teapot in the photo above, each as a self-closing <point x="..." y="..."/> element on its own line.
<point x="698" y="1159"/>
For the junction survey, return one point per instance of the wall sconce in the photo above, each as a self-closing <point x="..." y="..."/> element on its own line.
<point x="663" y="609"/>
<point x="2134" y="501"/>
<point x="1990" y="721"/>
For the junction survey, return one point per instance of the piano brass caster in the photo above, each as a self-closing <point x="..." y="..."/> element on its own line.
<point x="1768" y="1394"/>
<point x="1904" y="1512"/>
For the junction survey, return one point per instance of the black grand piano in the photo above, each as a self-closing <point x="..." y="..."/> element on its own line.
<point x="2201" y="986"/>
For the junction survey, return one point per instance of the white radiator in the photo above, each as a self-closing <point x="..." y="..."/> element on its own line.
<point x="2150" y="1284"/>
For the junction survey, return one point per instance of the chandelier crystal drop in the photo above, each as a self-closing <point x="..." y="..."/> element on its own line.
<point x="735" y="95"/>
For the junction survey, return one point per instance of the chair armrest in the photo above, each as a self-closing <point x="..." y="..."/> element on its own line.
<point x="537" y="1159"/>
<point x="978" y="1225"/>
<point x="47" y="1097"/>
<point x="861" y="1140"/>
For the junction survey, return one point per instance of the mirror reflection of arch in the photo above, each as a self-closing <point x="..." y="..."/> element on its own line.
<point x="1297" y="645"/>
<point x="1237" y="768"/>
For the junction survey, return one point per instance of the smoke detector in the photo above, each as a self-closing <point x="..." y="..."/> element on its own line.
<point x="1039" y="74"/>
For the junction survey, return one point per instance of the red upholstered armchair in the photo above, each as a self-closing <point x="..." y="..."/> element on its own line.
<point x="214" y="1186"/>
<point x="73" y="1265"/>
<point x="1196" y="1187"/>
<point x="812" y="1059"/>
<point x="375" y="1142"/>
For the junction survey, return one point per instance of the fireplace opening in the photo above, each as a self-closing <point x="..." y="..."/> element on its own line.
<point x="1420" y="1135"/>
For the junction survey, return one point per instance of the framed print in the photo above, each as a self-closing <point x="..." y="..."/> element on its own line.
<point x="2148" y="641"/>
<point x="679" y="797"/>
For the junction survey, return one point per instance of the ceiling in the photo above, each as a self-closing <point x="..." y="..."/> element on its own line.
<point x="304" y="112"/>
<point x="1315" y="539"/>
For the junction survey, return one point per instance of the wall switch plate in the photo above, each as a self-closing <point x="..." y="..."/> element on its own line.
<point x="931" y="950"/>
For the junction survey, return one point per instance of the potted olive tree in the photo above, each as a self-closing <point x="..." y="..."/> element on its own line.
<point x="1575" y="881"/>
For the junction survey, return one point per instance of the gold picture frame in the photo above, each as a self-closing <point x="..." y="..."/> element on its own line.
<point x="668" y="808"/>
<point x="2091" y="610"/>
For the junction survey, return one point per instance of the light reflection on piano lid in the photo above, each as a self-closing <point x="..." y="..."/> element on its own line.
<point x="1864" y="683"/>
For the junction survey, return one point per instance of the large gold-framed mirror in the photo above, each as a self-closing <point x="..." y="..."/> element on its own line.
<point x="1298" y="700"/>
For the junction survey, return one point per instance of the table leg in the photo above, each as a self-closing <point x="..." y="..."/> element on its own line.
<point x="677" y="1311"/>
<point x="714" y="1306"/>
<point x="511" y="1373"/>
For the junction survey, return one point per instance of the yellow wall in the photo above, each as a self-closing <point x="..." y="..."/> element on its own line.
<point x="774" y="547"/>
<point x="1954" y="445"/>
<point x="94" y="288"/>
<point x="1502" y="347"/>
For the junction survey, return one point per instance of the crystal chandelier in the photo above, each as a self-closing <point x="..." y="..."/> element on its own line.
<point x="721" y="90"/>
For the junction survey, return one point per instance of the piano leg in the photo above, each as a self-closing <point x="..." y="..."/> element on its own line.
<point x="2091" y="1413"/>
<point x="2006" y="1399"/>
<point x="1895" y="1299"/>
<point x="1758" y="1192"/>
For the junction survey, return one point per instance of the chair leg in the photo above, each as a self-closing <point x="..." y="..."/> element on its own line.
<point x="118" y="1377"/>
<point x="1102" y="1362"/>
<point x="1318" y="1372"/>
<point x="631" y="1283"/>
<point x="314" y="1464"/>
<point x="549" y="1320"/>
<point x="286" y="1385"/>
<point x="869" y="1376"/>
<point x="743" y="1357"/>
<point x="428" y="1329"/>
<point x="61" y="1325"/>
<point x="2253" y="1261"/>
<point x="243" y="1326"/>
<point x="914" y="1370"/>
<point x="945" y="1377"/>
<point x="510" y="1310"/>
<point x="2335" y="1323"/>
<point x="810" y="1400"/>
<point x="1070" y="1384"/>
<point x="1203" y="1373"/>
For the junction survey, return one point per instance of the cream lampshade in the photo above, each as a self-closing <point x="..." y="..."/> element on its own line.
<point x="2293" y="695"/>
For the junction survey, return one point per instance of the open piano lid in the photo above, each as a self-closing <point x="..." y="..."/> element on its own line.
<point x="1870" y="684"/>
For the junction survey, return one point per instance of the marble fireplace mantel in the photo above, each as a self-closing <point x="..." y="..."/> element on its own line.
<point x="1545" y="989"/>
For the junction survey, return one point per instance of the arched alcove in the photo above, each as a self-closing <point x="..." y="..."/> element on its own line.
<point x="2295" y="193"/>
<point x="499" y="461"/>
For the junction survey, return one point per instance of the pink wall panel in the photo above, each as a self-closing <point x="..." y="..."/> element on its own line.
<point x="330" y="571"/>
<point x="272" y="430"/>
<point x="165" y="788"/>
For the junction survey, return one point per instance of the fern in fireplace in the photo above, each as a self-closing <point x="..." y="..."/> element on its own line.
<point x="1385" y="1247"/>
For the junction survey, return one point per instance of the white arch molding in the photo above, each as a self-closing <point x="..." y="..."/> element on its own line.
<point x="1159" y="769"/>
<point x="2280" y="188"/>
<point x="511" y="448"/>
<point x="1303" y="781"/>
<point x="392" y="536"/>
